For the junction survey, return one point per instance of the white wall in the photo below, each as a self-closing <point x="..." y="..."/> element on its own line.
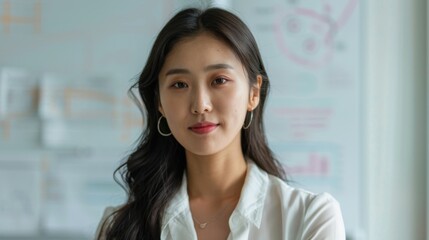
<point x="396" y="118"/>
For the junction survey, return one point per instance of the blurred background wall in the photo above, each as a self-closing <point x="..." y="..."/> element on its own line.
<point x="347" y="112"/>
<point x="396" y="118"/>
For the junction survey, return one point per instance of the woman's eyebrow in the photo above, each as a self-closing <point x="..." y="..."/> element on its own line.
<point x="218" y="66"/>
<point x="208" y="68"/>
<point x="177" y="71"/>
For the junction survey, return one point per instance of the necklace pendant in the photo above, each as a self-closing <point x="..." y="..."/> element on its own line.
<point x="203" y="225"/>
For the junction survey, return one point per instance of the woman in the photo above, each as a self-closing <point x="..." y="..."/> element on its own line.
<point x="203" y="169"/>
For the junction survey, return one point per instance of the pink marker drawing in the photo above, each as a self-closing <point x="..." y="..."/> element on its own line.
<point x="306" y="36"/>
<point x="316" y="165"/>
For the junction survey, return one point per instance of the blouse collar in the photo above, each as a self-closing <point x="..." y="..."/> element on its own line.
<point x="250" y="205"/>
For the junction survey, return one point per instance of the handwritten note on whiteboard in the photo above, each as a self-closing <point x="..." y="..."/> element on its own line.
<point x="19" y="122"/>
<point x="20" y="196"/>
<point x="87" y="113"/>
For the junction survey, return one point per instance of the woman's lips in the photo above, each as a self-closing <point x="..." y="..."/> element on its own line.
<point x="203" y="127"/>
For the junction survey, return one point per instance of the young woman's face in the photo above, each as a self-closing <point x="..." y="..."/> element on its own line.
<point x="205" y="94"/>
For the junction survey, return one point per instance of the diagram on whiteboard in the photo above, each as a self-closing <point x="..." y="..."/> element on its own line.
<point x="306" y="35"/>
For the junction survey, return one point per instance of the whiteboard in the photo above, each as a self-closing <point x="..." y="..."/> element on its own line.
<point x="311" y="49"/>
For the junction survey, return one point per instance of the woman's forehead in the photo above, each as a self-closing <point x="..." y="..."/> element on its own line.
<point x="203" y="49"/>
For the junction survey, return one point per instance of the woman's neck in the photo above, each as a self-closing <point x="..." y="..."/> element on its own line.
<point x="217" y="177"/>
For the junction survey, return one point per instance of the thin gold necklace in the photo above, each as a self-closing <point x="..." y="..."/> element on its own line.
<point x="203" y="225"/>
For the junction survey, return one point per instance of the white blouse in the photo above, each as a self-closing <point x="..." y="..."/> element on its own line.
<point x="268" y="209"/>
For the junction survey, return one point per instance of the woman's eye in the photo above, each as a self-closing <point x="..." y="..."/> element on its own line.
<point x="219" y="81"/>
<point x="180" y="85"/>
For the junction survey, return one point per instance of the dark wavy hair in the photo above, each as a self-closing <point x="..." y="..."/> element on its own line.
<point x="153" y="172"/>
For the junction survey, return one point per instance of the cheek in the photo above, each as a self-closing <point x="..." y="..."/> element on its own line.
<point x="171" y="106"/>
<point x="234" y="104"/>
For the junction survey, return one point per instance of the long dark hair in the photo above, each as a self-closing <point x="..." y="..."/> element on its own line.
<point x="153" y="172"/>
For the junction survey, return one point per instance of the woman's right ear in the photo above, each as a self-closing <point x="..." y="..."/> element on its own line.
<point x="160" y="109"/>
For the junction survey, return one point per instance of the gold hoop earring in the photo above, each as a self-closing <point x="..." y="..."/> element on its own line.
<point x="159" y="128"/>
<point x="250" y="121"/>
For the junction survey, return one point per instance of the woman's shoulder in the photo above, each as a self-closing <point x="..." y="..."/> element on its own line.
<point x="285" y="193"/>
<point x="291" y="196"/>
<point x="319" y="213"/>
<point x="291" y="193"/>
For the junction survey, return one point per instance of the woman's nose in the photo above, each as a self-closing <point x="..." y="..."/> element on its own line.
<point x="201" y="102"/>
